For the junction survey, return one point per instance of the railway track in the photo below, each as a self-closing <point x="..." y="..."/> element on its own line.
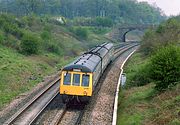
<point x="69" y="115"/>
<point x="29" y="112"/>
<point x="32" y="109"/>
<point x="74" y="116"/>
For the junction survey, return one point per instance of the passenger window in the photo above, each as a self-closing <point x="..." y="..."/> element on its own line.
<point x="67" y="79"/>
<point x="85" y="80"/>
<point x="76" y="79"/>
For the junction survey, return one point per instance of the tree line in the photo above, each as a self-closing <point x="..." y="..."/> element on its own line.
<point x="120" y="11"/>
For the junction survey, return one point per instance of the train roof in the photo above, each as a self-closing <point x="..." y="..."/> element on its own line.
<point x="89" y="60"/>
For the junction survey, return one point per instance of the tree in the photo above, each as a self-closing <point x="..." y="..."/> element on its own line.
<point x="165" y="67"/>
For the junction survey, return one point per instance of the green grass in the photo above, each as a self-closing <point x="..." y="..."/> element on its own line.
<point x="19" y="73"/>
<point x="129" y="104"/>
<point x="143" y="105"/>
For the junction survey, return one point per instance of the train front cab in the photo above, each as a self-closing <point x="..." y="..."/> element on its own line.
<point x="75" y="84"/>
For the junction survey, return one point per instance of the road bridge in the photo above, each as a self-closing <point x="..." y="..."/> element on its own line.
<point x="121" y="31"/>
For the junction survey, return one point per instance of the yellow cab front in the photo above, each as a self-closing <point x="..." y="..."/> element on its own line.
<point x="76" y="83"/>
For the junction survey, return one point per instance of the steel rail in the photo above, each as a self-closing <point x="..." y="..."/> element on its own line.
<point x="126" y="46"/>
<point x="121" y="51"/>
<point x="27" y="105"/>
<point x="59" y="117"/>
<point x="78" y="121"/>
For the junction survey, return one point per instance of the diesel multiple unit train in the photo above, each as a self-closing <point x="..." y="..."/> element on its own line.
<point x="79" y="78"/>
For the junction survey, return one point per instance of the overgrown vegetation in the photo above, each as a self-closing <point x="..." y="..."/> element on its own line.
<point x="153" y="79"/>
<point x="137" y="71"/>
<point x="166" y="33"/>
<point x="143" y="106"/>
<point x="159" y="58"/>
<point x="81" y="32"/>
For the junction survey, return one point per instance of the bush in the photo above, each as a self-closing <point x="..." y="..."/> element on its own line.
<point x="12" y="42"/>
<point x="137" y="71"/>
<point x="9" y="25"/>
<point x="45" y="35"/>
<point x="149" y="39"/>
<point x="13" y="29"/>
<point x="166" y="33"/>
<point x="165" y="67"/>
<point x="50" y="47"/>
<point x="30" y="20"/>
<point x="142" y="76"/>
<point x="81" y="32"/>
<point x="30" y="44"/>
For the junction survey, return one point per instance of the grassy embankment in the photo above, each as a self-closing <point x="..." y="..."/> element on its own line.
<point x="58" y="45"/>
<point x="144" y="105"/>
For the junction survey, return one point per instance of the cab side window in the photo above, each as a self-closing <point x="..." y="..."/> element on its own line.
<point x="67" y="79"/>
<point x="76" y="80"/>
<point x="85" y="80"/>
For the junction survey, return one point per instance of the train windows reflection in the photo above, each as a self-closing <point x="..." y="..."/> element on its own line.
<point x="85" y="80"/>
<point x="76" y="79"/>
<point x="67" y="79"/>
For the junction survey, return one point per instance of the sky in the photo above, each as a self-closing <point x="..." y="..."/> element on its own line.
<point x="169" y="7"/>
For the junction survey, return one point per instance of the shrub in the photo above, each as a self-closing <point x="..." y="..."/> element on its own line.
<point x="138" y="73"/>
<point x="142" y="76"/>
<point x="29" y="20"/>
<point x="14" y="30"/>
<point x="30" y="44"/>
<point x="53" y="48"/>
<point x="81" y="32"/>
<point x="165" y="67"/>
<point x="45" y="35"/>
<point x="165" y="34"/>
<point x="9" y="25"/>
<point x="12" y="42"/>
<point x="149" y="39"/>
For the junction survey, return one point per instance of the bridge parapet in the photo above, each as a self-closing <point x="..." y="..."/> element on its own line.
<point x="125" y="26"/>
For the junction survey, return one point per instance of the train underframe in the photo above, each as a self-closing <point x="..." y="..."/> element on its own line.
<point x="75" y="99"/>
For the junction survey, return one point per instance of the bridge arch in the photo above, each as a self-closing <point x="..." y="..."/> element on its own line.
<point x="129" y="30"/>
<point x="123" y="30"/>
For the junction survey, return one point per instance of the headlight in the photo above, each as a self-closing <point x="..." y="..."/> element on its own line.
<point x="85" y="93"/>
<point x="65" y="92"/>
